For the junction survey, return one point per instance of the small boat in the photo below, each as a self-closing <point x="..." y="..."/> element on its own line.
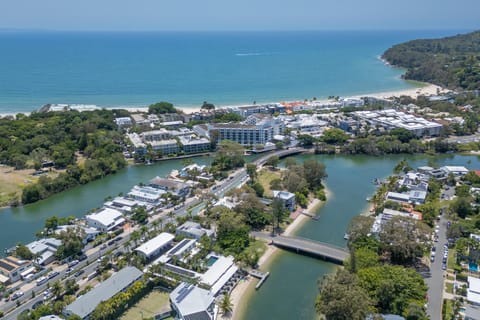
<point x="368" y="199"/>
<point x="346" y="236"/>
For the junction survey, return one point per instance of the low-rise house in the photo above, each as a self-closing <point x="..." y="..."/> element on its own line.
<point x="11" y="269"/>
<point x="123" y="121"/>
<point x="154" y="247"/>
<point x="190" y="302"/>
<point x="194" y="230"/>
<point x="105" y="220"/>
<point x="118" y="282"/>
<point x="398" y="197"/>
<point x="414" y="196"/>
<point x="178" y="188"/>
<point x="287" y="198"/>
<point x="44" y="250"/>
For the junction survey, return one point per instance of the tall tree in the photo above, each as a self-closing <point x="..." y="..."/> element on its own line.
<point x="341" y="297"/>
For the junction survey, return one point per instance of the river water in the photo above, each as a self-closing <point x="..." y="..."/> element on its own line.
<point x="290" y="291"/>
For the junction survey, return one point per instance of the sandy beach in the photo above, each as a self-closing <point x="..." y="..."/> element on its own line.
<point x="427" y="90"/>
<point x="242" y="292"/>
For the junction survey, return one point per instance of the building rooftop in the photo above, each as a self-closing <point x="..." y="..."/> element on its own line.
<point x="107" y="217"/>
<point x="192" y="302"/>
<point x="149" y="247"/>
<point x="86" y="304"/>
<point x="215" y="272"/>
<point x="473" y="293"/>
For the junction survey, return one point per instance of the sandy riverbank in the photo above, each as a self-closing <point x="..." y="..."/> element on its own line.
<point x="246" y="288"/>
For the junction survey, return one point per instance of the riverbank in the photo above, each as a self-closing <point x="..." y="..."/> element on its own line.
<point x="245" y="290"/>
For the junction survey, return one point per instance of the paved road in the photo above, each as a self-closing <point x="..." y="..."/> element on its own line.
<point x="435" y="281"/>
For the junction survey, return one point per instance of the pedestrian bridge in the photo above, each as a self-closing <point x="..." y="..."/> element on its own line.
<point x="306" y="246"/>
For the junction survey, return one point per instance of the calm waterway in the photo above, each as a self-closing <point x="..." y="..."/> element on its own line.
<point x="290" y="291"/>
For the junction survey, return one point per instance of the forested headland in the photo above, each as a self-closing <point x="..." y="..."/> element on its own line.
<point x="77" y="147"/>
<point x="451" y="62"/>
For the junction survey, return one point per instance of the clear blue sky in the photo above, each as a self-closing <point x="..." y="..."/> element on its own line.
<point x="239" y="14"/>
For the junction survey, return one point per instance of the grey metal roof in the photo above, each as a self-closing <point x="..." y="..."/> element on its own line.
<point x="87" y="303"/>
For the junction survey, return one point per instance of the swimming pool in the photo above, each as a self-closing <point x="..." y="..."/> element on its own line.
<point x="473" y="267"/>
<point x="211" y="260"/>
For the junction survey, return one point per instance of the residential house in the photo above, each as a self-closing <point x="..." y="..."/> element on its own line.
<point x="194" y="230"/>
<point x="44" y="250"/>
<point x="175" y="187"/>
<point x="190" y="302"/>
<point x="287" y="198"/>
<point x="154" y="247"/>
<point x="11" y="269"/>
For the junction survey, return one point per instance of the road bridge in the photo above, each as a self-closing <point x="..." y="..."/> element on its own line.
<point x="306" y="246"/>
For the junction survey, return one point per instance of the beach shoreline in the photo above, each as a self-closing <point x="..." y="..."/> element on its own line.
<point x="426" y="89"/>
<point x="244" y="291"/>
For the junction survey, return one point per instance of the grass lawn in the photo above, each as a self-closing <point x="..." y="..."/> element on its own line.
<point x="265" y="176"/>
<point x="451" y="262"/>
<point x="449" y="287"/>
<point x="447" y="311"/>
<point x="153" y="303"/>
<point x="449" y="277"/>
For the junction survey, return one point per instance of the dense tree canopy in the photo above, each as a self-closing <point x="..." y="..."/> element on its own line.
<point x="56" y="138"/>
<point x="452" y="62"/>
<point x="161" y="108"/>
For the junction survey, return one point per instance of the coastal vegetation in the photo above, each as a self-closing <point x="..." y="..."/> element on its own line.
<point x="451" y="62"/>
<point x="78" y="147"/>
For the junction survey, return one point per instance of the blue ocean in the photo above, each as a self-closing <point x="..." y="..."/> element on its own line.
<point x="136" y="69"/>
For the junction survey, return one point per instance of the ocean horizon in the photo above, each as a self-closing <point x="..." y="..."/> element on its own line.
<point x="135" y="69"/>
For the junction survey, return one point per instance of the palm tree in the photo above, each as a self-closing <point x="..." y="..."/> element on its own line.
<point x="56" y="289"/>
<point x="135" y="236"/>
<point x="226" y="305"/>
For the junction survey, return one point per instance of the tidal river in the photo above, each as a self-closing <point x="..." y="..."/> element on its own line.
<point x="290" y="291"/>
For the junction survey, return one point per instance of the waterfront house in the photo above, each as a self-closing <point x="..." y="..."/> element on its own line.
<point x="105" y="220"/>
<point x="44" y="250"/>
<point x="121" y="204"/>
<point x="12" y="269"/>
<point x="190" y="302"/>
<point x="154" y="247"/>
<point x="457" y="171"/>
<point x="84" y="305"/>
<point x="287" y="198"/>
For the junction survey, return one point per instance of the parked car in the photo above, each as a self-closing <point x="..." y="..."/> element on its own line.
<point x="37" y="304"/>
<point x="68" y="271"/>
<point x="82" y="257"/>
<point x="17" y="295"/>
<point x="79" y="273"/>
<point x="73" y="263"/>
<point x="53" y="274"/>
